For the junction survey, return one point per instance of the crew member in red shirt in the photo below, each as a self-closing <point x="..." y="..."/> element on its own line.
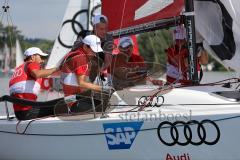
<point x="177" y="58"/>
<point x="25" y="83"/>
<point x="128" y="69"/>
<point x="76" y="68"/>
<point x="100" y="29"/>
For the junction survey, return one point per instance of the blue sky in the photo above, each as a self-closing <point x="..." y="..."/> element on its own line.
<point x="37" y="18"/>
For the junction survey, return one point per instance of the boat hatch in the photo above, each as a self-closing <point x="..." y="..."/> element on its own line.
<point x="233" y="95"/>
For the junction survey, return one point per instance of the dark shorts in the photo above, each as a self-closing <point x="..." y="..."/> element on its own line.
<point x="84" y="104"/>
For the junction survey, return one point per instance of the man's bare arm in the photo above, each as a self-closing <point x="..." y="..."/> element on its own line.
<point x="43" y="72"/>
<point x="86" y="85"/>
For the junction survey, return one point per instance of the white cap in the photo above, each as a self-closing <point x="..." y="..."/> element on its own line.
<point x="94" y="42"/>
<point x="180" y="32"/>
<point x="34" y="50"/>
<point x="97" y="19"/>
<point x="125" y="42"/>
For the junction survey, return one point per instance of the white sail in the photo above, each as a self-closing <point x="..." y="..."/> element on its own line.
<point x="19" y="54"/>
<point x="6" y="53"/>
<point x="219" y="24"/>
<point x="77" y="17"/>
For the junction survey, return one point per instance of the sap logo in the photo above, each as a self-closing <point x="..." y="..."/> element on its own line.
<point x="121" y="135"/>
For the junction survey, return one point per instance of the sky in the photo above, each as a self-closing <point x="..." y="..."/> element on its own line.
<point x="36" y="18"/>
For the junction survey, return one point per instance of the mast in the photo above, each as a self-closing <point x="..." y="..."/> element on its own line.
<point x="191" y="40"/>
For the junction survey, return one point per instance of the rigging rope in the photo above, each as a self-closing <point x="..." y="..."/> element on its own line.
<point x="169" y="87"/>
<point x="4" y="10"/>
<point x="99" y="81"/>
<point x="128" y="111"/>
<point x="119" y="36"/>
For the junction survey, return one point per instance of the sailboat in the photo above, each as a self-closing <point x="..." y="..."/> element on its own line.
<point x="6" y="52"/>
<point x="2" y="62"/>
<point x="19" y="54"/>
<point x="176" y="122"/>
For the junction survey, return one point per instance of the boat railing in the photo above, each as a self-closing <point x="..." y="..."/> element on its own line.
<point x="7" y="98"/>
<point x="60" y="102"/>
<point x="7" y="111"/>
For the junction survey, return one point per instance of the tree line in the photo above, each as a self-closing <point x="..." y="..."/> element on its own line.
<point x="152" y="45"/>
<point x="9" y="34"/>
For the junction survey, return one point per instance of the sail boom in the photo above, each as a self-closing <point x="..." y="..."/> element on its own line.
<point x="146" y="27"/>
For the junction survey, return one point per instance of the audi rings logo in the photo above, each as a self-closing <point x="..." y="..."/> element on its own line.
<point x="202" y="133"/>
<point x="151" y="101"/>
<point x="76" y="25"/>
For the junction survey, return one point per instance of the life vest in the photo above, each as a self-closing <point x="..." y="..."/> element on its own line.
<point x="22" y="82"/>
<point x="136" y="60"/>
<point x="74" y="60"/>
<point x="23" y="86"/>
<point x="177" y="71"/>
<point x="126" y="81"/>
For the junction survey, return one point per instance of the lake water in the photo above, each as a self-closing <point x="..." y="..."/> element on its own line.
<point x="207" y="77"/>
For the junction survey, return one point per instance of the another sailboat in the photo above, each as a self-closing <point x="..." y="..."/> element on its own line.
<point x="6" y="52"/>
<point x="176" y="122"/>
<point x="19" y="59"/>
<point x="19" y="54"/>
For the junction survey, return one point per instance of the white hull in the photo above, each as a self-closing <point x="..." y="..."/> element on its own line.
<point x="58" y="138"/>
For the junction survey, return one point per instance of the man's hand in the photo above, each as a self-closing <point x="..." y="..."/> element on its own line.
<point x="108" y="89"/>
<point x="157" y="82"/>
<point x="42" y="73"/>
